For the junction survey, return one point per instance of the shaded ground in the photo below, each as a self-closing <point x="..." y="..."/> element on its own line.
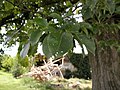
<point x="7" y="82"/>
<point x="72" y="84"/>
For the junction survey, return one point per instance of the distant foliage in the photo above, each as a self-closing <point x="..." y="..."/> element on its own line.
<point x="17" y="70"/>
<point x="1" y="58"/>
<point x="16" y="65"/>
<point x="83" y="67"/>
<point x="6" y="63"/>
<point x="23" y="61"/>
<point x="19" y="66"/>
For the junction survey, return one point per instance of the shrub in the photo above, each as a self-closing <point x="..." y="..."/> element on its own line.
<point x="68" y="74"/>
<point x="17" y="68"/>
<point x="23" y="61"/>
<point x="6" y="63"/>
<point x="1" y="58"/>
<point x="16" y="65"/>
<point x="83" y="67"/>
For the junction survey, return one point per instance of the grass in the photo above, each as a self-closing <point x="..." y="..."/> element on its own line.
<point x="7" y="82"/>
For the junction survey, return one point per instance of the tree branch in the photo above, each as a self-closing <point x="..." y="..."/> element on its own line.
<point x="26" y="11"/>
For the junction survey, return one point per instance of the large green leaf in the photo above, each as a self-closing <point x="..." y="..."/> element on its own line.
<point x="85" y="25"/>
<point x="48" y="51"/>
<point x="35" y="36"/>
<point x="92" y="3"/>
<point x="58" y="43"/>
<point x="118" y="9"/>
<point x="56" y="16"/>
<point x="1" y="2"/>
<point x="89" y="43"/>
<point x="41" y="22"/>
<point x="68" y="4"/>
<point x="33" y="49"/>
<point x="87" y="13"/>
<point x="71" y="27"/>
<point x="111" y="6"/>
<point x="66" y="43"/>
<point x="8" y="6"/>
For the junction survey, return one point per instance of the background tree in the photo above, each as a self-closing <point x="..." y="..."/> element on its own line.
<point x="53" y="23"/>
<point x="104" y="16"/>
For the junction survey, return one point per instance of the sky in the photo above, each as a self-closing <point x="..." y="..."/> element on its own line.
<point x="12" y="51"/>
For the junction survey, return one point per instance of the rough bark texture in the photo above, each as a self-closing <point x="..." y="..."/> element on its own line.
<point x="105" y="69"/>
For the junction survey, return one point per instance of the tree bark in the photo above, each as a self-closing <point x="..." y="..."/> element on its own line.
<point x="105" y="66"/>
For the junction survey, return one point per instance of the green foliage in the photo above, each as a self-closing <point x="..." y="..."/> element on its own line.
<point x="32" y="22"/>
<point x="57" y="43"/>
<point x="36" y="22"/>
<point x="68" y="74"/>
<point x="35" y="36"/>
<point x="89" y="43"/>
<point x="16" y="66"/>
<point x="41" y="22"/>
<point x="17" y="70"/>
<point x="7" y="63"/>
<point x="118" y="9"/>
<point x="8" y="6"/>
<point x="19" y="66"/>
<point x="23" y="17"/>
<point x="1" y="59"/>
<point x="23" y="61"/>
<point x="56" y="16"/>
<point x="82" y="65"/>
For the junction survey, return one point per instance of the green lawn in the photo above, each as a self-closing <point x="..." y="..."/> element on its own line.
<point x="7" y="82"/>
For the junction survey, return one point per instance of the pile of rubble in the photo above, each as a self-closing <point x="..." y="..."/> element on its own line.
<point x="46" y="72"/>
<point x="50" y="68"/>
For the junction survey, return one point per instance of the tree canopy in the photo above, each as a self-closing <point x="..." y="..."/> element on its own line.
<point x="53" y="23"/>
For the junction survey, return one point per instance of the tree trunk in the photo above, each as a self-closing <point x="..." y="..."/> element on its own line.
<point x="105" y="69"/>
